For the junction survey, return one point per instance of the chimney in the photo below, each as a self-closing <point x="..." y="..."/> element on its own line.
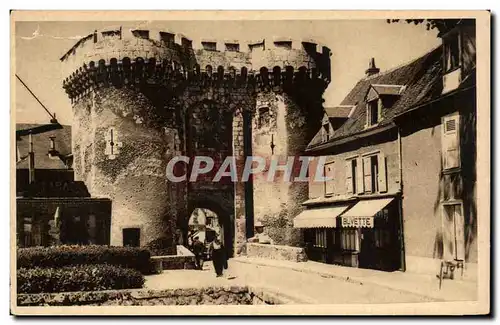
<point x="52" y="143"/>
<point x="53" y="153"/>
<point x="372" y="69"/>
<point x="54" y="119"/>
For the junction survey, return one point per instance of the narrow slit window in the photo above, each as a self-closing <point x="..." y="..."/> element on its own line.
<point x="264" y="117"/>
<point x="209" y="46"/>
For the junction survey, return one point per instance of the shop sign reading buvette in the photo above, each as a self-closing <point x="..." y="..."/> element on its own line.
<point x="358" y="222"/>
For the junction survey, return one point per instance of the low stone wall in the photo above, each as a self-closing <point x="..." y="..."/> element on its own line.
<point x="276" y="252"/>
<point x="225" y="295"/>
<point x="183" y="260"/>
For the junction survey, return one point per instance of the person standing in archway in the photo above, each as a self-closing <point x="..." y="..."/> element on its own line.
<point x="198" y="248"/>
<point x="219" y="257"/>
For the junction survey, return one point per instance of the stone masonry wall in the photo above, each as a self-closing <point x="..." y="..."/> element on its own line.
<point x="224" y="295"/>
<point x="277" y="201"/>
<point x="162" y="95"/>
<point x="133" y="174"/>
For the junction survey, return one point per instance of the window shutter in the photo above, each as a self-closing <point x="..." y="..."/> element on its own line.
<point x="367" y="110"/>
<point x="450" y="141"/>
<point x="312" y="175"/>
<point x="359" y="176"/>
<point x="329" y="173"/>
<point x="459" y="233"/>
<point x="382" y="173"/>
<point x="367" y="174"/>
<point x="448" y="233"/>
<point x="380" y="107"/>
<point x="348" y="177"/>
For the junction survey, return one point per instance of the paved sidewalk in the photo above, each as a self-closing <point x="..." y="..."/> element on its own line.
<point x="306" y="287"/>
<point x="411" y="283"/>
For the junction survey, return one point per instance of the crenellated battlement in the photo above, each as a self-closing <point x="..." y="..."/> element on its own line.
<point x="141" y="97"/>
<point x="132" y="56"/>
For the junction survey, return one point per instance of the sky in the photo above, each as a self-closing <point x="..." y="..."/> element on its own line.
<point x="39" y="45"/>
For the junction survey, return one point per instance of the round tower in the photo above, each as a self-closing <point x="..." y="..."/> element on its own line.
<point x="142" y="97"/>
<point x="293" y="77"/>
<point x="126" y="114"/>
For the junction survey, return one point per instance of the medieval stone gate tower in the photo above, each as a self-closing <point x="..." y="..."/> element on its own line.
<point x="142" y="97"/>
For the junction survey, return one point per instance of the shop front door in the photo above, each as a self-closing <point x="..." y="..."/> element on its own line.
<point x="367" y="254"/>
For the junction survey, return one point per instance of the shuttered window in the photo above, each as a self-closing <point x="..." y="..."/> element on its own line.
<point x="329" y="179"/>
<point x="382" y="173"/>
<point x="350" y="176"/>
<point x="367" y="174"/>
<point x="374" y="174"/>
<point x="451" y="141"/>
<point x="326" y="132"/>
<point x="360" y="187"/>
<point x="354" y="177"/>
<point x="453" y="232"/>
<point x="372" y="112"/>
<point x="451" y="52"/>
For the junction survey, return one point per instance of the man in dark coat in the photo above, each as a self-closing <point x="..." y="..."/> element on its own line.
<point x="198" y="249"/>
<point x="219" y="257"/>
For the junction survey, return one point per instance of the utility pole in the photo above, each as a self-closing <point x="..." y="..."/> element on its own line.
<point x="31" y="160"/>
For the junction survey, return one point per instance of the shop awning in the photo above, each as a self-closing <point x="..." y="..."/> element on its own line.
<point x="362" y="214"/>
<point x="319" y="217"/>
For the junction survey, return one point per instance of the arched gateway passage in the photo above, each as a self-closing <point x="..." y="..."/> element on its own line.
<point x="222" y="206"/>
<point x="141" y="98"/>
<point x="204" y="224"/>
<point x="217" y="128"/>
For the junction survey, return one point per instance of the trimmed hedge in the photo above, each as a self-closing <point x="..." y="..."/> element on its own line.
<point x="77" y="278"/>
<point x="60" y="256"/>
<point x="162" y="246"/>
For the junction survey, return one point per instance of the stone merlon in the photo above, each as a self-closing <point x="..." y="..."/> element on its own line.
<point x="165" y="56"/>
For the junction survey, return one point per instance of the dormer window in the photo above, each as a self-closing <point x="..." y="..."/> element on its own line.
<point x="451" y="52"/>
<point x="372" y="110"/>
<point x="53" y="153"/>
<point x="327" y="128"/>
<point x="326" y="132"/>
<point x="378" y="98"/>
<point x="459" y="55"/>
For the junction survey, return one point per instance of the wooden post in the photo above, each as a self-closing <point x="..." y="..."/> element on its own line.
<point x="31" y="160"/>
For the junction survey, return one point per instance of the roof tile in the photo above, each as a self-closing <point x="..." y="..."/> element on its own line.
<point x="41" y="145"/>
<point x="421" y="78"/>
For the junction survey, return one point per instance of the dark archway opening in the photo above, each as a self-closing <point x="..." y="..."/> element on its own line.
<point x="204" y="225"/>
<point x="221" y="223"/>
